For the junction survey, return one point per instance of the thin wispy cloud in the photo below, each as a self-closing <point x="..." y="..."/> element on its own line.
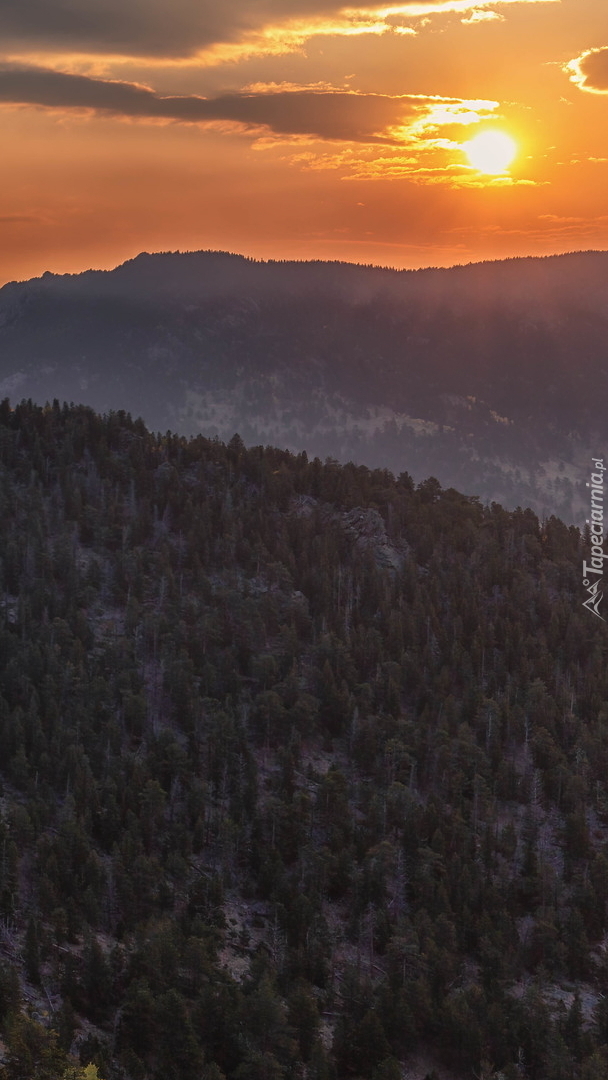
<point x="19" y="219"/>
<point x="542" y="228"/>
<point x="411" y="167"/>
<point x="482" y="16"/>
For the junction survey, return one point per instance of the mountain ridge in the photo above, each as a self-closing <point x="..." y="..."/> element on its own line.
<point x="503" y="267"/>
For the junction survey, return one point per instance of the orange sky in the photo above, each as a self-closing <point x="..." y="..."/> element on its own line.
<point x="299" y="129"/>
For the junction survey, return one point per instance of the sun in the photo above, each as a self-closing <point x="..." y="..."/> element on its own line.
<point x="491" y="151"/>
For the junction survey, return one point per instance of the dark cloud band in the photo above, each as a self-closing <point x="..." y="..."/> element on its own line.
<point x="145" y="27"/>
<point x="174" y="28"/>
<point x="335" y="115"/>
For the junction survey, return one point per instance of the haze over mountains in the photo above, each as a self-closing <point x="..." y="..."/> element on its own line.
<point x="493" y="377"/>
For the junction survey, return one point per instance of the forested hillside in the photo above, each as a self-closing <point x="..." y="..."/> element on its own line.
<point x="304" y="769"/>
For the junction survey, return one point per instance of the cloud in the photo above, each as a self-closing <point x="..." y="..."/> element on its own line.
<point x="185" y="28"/>
<point x="582" y="226"/>
<point x="417" y="163"/>
<point x="482" y="16"/>
<point x="589" y="71"/>
<point x="318" y="113"/>
<point x="450" y="175"/>
<point x="544" y="227"/>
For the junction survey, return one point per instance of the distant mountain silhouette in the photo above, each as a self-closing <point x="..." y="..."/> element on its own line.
<point x="492" y="377"/>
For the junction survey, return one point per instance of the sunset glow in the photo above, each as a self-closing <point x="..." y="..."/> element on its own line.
<point x="395" y="129"/>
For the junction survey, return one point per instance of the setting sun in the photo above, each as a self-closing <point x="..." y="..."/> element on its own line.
<point x="491" y="151"/>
